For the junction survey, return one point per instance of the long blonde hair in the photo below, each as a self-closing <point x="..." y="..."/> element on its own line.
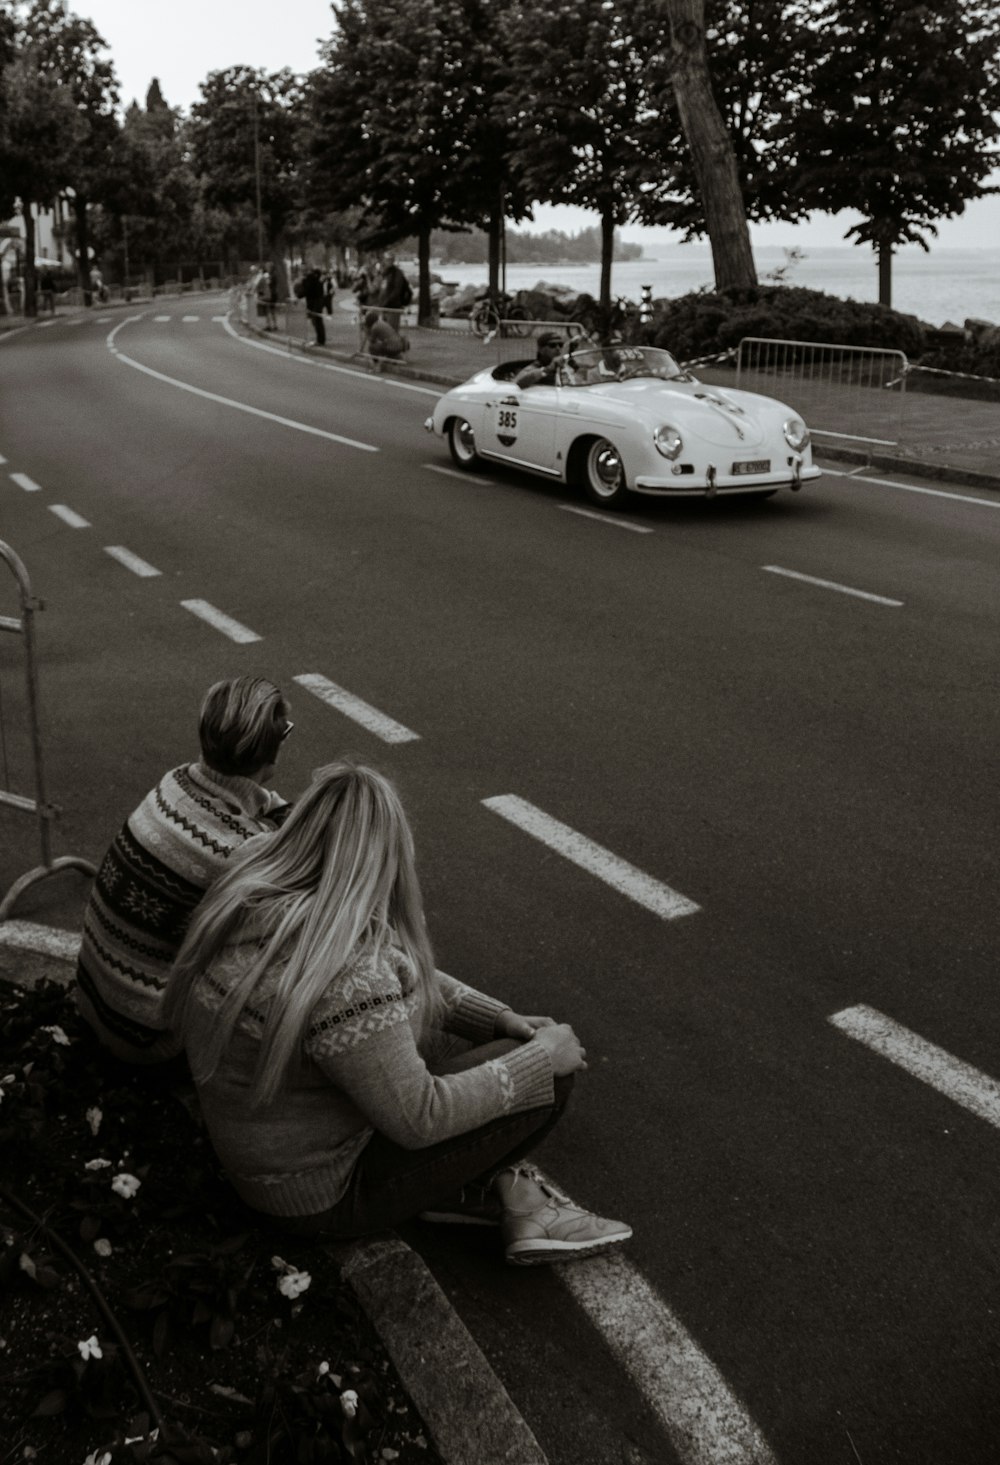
<point x="339" y="873"/>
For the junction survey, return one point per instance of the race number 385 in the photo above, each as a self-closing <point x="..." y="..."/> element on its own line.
<point x="506" y="420"/>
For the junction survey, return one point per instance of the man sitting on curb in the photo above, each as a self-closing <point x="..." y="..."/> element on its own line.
<point x="380" y="340"/>
<point x="165" y="856"/>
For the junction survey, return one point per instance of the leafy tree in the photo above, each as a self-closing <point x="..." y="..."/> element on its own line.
<point x="245" y="144"/>
<point x="581" y="109"/>
<point x="900" y="120"/>
<point x="69" y="50"/>
<point x="713" y="157"/>
<point x="40" y="132"/>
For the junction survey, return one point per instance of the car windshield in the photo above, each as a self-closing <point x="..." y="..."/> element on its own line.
<point x="600" y="364"/>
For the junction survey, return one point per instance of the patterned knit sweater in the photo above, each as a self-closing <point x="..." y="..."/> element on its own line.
<point x="362" y="1068"/>
<point x="159" y="865"/>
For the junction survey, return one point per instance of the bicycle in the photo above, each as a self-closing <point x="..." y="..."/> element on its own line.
<point x="500" y="313"/>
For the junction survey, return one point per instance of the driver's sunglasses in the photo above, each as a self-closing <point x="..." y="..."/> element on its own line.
<point x="286" y="730"/>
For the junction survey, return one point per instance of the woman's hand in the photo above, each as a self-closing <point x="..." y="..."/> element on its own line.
<point x="510" y="1024"/>
<point x="563" y="1047"/>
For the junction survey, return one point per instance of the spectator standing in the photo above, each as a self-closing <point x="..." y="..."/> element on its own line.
<point x="395" y="293"/>
<point x="362" y="287"/>
<point x="48" y="288"/>
<point x="345" y="1083"/>
<point x="167" y="853"/>
<point x="310" y="289"/>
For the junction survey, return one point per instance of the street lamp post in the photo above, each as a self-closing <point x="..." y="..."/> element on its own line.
<point x="256" y="170"/>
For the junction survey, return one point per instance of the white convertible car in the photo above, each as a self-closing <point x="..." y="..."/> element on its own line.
<point x="623" y="420"/>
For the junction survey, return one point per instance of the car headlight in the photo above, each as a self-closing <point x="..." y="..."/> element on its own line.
<point x="796" y="434"/>
<point x="668" y="441"/>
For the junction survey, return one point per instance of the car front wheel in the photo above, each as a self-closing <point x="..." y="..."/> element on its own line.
<point x="603" y="474"/>
<point x="462" y="442"/>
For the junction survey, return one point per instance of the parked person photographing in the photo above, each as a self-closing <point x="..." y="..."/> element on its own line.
<point x="346" y="1084"/>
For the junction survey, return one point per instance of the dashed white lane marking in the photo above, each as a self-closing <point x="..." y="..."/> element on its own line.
<point x="162" y="317"/>
<point x="951" y="1076"/>
<point x="187" y="318"/>
<point x="606" y="519"/>
<point x="77" y="321"/>
<point x="2" y="458"/>
<point x="938" y="493"/>
<point x="664" y="902"/>
<point x="370" y="717"/>
<point x="333" y="437"/>
<point x="104" y="320"/>
<point x="455" y="473"/>
<point x="706" y="1422"/>
<point x="220" y="621"/>
<point x="44" y="324"/>
<point x="307" y="360"/>
<point x="830" y="585"/>
<point x="69" y="516"/>
<point x="28" y="484"/>
<point x="130" y="561"/>
<point x="47" y="940"/>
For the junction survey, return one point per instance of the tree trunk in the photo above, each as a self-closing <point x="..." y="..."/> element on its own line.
<point x="29" y="304"/>
<point x="424" y="277"/>
<point x="712" y="153"/>
<point x="279" y="249"/>
<point x="494" y="231"/>
<point x="83" y="248"/>
<point x="607" y="258"/>
<point x="884" y="274"/>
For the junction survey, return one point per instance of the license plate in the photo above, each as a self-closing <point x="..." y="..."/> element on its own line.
<point x="755" y="465"/>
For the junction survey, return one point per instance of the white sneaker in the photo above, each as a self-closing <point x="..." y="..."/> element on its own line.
<point x="555" y="1231"/>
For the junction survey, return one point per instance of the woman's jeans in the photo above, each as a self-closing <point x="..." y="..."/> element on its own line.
<point x="390" y="1184"/>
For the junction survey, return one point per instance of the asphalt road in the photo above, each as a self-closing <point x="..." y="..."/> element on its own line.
<point x="814" y="769"/>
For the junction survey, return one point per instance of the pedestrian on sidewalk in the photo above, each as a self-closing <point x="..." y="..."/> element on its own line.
<point x="310" y="289"/>
<point x="164" y="857"/>
<point x="346" y="1084"/>
<point x="395" y="292"/>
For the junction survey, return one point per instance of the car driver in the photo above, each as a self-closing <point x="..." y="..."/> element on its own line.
<point x="542" y="371"/>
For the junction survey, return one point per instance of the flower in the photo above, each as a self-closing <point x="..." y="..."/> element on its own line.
<point x="58" y="1036"/>
<point x="102" y="1458"/>
<point x="349" y="1403"/>
<point x="94" y="1117"/>
<point x="8" y="1078"/>
<point x="103" y="1246"/>
<point x="293" y="1282"/>
<point x="98" y="1165"/>
<point x="90" y="1348"/>
<point x="125" y="1185"/>
<point x="323" y="1368"/>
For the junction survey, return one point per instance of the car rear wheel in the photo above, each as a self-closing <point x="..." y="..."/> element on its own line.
<point x="603" y="474"/>
<point x="462" y="442"/>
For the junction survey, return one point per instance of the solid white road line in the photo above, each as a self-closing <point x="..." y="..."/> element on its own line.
<point x="28" y="484"/>
<point x="604" y="519"/>
<point x="333" y="437"/>
<point x="69" y="516"/>
<point x="830" y="585"/>
<point x="306" y="360"/>
<point x="938" y="493"/>
<point x="951" y="1076"/>
<point x="706" y="1422"/>
<point x="47" y="940"/>
<point x="221" y="622"/>
<point x="664" y="902"/>
<point x="456" y="473"/>
<point x="377" y="722"/>
<point x="130" y="561"/>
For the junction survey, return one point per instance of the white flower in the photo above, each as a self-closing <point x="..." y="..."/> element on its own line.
<point x="349" y="1403"/>
<point x="125" y="1185"/>
<point x="279" y="1263"/>
<point x="323" y="1368"/>
<point x="26" y="1264"/>
<point x="293" y="1282"/>
<point x="8" y="1078"/>
<point x="98" y="1165"/>
<point x="58" y="1036"/>
<point x="90" y="1348"/>
<point x="103" y="1246"/>
<point x="102" y="1458"/>
<point x="94" y="1117"/>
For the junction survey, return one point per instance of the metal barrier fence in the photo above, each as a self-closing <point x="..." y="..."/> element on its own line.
<point x="23" y="626"/>
<point x="851" y="393"/>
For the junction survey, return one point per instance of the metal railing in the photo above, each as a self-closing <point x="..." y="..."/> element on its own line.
<point x="23" y="626"/>
<point x="848" y="393"/>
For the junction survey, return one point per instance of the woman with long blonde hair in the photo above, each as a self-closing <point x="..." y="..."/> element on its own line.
<point x="346" y="1084"/>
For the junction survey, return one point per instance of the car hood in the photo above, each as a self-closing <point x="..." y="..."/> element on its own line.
<point x="717" y="416"/>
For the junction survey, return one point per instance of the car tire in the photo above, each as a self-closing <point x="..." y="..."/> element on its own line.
<point x="462" y="444"/>
<point x="603" y="474"/>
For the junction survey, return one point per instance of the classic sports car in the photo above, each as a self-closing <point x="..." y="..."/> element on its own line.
<point x="623" y="420"/>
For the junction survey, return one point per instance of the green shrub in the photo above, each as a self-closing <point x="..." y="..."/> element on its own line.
<point x="706" y="322"/>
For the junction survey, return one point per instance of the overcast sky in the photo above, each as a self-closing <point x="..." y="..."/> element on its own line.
<point x="186" y="40"/>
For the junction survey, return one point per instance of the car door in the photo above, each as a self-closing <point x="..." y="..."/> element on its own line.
<point x="519" y="426"/>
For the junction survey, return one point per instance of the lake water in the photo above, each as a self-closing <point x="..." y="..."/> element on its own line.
<point x="946" y="284"/>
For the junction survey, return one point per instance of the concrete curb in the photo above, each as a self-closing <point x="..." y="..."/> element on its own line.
<point x="465" y="1408"/>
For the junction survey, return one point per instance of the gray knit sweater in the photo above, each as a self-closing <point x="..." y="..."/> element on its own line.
<point x="362" y="1070"/>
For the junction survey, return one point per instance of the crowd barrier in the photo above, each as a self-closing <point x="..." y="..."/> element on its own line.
<point x="23" y="625"/>
<point x="862" y="386"/>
